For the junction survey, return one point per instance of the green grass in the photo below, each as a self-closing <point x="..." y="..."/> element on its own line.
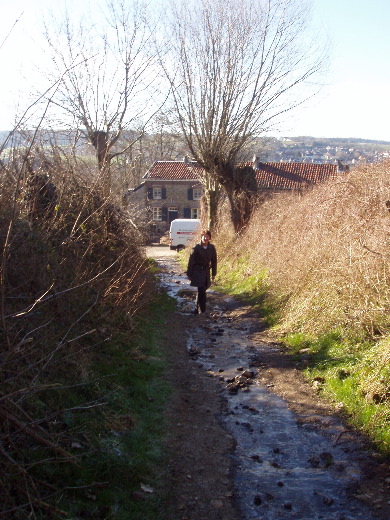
<point x="153" y="266"/>
<point x="346" y="370"/>
<point x="238" y="279"/>
<point x="118" y="431"/>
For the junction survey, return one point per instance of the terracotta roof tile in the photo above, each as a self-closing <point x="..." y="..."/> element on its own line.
<point x="272" y="175"/>
<point x="288" y="176"/>
<point x="174" y="170"/>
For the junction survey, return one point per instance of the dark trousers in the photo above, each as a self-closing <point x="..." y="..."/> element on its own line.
<point x="201" y="299"/>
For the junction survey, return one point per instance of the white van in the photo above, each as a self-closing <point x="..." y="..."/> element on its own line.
<point x="182" y="231"/>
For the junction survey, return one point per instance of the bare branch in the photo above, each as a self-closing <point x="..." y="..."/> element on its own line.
<point x="233" y="73"/>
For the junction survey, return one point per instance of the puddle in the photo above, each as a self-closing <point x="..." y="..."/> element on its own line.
<point x="282" y="470"/>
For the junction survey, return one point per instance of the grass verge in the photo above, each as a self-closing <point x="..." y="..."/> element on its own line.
<point x="235" y="279"/>
<point x="118" y="435"/>
<point x="354" y="375"/>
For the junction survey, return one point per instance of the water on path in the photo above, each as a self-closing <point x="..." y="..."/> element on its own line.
<point x="283" y="470"/>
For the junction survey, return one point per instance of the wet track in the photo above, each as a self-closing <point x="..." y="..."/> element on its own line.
<point x="283" y="469"/>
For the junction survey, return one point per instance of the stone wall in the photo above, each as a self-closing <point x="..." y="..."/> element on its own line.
<point x="176" y="196"/>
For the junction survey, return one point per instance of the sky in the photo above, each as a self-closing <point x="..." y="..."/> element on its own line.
<point x="354" y="100"/>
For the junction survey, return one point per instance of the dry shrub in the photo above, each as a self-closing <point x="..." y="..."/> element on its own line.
<point x="327" y="253"/>
<point x="72" y="275"/>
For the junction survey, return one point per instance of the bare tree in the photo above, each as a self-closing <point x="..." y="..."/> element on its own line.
<point x="105" y="89"/>
<point x="234" y="70"/>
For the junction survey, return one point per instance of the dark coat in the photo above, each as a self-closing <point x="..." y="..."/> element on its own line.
<point x="200" y="263"/>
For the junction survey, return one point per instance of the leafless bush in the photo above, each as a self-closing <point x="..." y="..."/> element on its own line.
<point x="71" y="275"/>
<point x="327" y="253"/>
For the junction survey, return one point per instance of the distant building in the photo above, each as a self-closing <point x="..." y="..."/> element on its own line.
<point x="170" y="190"/>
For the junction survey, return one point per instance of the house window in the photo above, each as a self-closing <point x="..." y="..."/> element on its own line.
<point x="197" y="194"/>
<point x="157" y="194"/>
<point x="157" y="213"/>
<point x="194" y="213"/>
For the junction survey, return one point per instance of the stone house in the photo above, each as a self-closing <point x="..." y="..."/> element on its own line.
<point x="169" y="190"/>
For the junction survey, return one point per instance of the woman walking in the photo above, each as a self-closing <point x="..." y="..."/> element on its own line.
<point x="203" y="259"/>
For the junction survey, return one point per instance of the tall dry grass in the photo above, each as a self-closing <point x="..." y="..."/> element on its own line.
<point x="326" y="253"/>
<point x="72" y="276"/>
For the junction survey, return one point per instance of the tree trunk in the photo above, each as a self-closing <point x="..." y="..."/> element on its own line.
<point x="241" y="209"/>
<point x="210" y="208"/>
<point x="212" y="195"/>
<point x="241" y="189"/>
<point x="100" y="142"/>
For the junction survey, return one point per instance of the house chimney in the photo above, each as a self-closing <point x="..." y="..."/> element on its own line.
<point x="255" y="160"/>
<point x="185" y="160"/>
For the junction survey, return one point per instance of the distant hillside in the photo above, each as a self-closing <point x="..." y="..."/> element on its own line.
<point x="327" y="150"/>
<point x="302" y="140"/>
<point x="336" y="140"/>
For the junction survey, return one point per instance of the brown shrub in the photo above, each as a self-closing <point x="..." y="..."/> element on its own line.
<point x="71" y="278"/>
<point x="327" y="253"/>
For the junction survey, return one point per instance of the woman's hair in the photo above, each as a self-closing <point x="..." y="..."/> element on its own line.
<point x="206" y="232"/>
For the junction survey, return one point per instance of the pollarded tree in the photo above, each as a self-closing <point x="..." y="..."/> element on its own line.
<point x="234" y="68"/>
<point x="106" y="68"/>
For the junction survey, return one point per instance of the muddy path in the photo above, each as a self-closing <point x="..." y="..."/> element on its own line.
<point x="250" y="439"/>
